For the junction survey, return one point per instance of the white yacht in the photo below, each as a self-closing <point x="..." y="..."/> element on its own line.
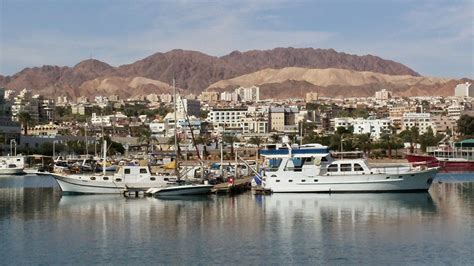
<point x="310" y="168"/>
<point x="126" y="177"/>
<point x="12" y="165"/>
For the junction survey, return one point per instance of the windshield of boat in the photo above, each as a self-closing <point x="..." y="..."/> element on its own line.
<point x="274" y="163"/>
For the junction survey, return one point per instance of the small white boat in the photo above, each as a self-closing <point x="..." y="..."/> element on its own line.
<point x="311" y="168"/>
<point x="12" y="165"/>
<point x="181" y="190"/>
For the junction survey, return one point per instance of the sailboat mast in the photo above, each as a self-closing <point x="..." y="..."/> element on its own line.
<point x="104" y="159"/>
<point x="175" y="129"/>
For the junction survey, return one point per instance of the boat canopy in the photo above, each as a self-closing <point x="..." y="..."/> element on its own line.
<point x="320" y="152"/>
<point x="467" y="143"/>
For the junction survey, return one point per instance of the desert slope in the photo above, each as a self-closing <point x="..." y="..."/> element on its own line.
<point x="324" y="77"/>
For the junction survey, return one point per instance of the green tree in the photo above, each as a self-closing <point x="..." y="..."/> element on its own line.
<point x="204" y="140"/>
<point x="427" y="139"/>
<point x="25" y="119"/>
<point x="466" y="125"/>
<point x="412" y="136"/>
<point x="146" y="137"/>
<point x="387" y="142"/>
<point x="230" y="139"/>
<point x="257" y="141"/>
<point x="364" y="142"/>
<point x="275" y="138"/>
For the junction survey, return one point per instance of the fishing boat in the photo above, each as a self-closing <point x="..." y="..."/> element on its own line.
<point x="311" y="168"/>
<point x="450" y="157"/>
<point x="126" y="177"/>
<point x="12" y="165"/>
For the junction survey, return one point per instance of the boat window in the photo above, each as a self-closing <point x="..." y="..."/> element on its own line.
<point x="105" y="178"/>
<point x="274" y="163"/>
<point x="298" y="162"/>
<point x="358" y="167"/>
<point x="143" y="171"/>
<point x="291" y="180"/>
<point x="324" y="159"/>
<point x="127" y="170"/>
<point x="332" y="168"/>
<point x="346" y="167"/>
<point x="308" y="161"/>
<point x="92" y="177"/>
<point x="303" y="180"/>
<point x="118" y="179"/>
<point x="153" y="179"/>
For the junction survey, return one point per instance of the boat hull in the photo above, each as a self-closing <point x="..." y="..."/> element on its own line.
<point x="74" y="185"/>
<point x="373" y="183"/>
<point x="184" y="190"/>
<point x="446" y="166"/>
<point x="11" y="171"/>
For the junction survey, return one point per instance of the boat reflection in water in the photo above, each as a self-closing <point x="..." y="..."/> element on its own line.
<point x="41" y="226"/>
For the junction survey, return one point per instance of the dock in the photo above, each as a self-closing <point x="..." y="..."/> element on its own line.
<point x="261" y="191"/>
<point x="239" y="186"/>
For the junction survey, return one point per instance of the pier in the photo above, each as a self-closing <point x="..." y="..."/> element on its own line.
<point x="238" y="186"/>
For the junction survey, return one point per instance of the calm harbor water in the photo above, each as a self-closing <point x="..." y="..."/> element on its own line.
<point x="40" y="226"/>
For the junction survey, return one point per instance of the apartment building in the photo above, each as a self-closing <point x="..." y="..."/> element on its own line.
<point x="422" y="121"/>
<point x="227" y="117"/>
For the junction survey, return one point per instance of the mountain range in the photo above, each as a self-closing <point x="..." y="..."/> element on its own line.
<point x="279" y="72"/>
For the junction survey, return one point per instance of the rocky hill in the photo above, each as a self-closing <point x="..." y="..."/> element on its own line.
<point x="194" y="71"/>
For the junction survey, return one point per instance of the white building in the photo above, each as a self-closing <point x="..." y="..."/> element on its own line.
<point x="454" y="111"/>
<point x="25" y="102"/>
<point x="97" y="120"/>
<point x="102" y="101"/>
<point x="420" y="120"/>
<point x="229" y="96"/>
<point x="152" y="98"/>
<point x="166" y="98"/>
<point x="158" y="128"/>
<point x="383" y="95"/>
<point x="464" y="90"/>
<point x="374" y="127"/>
<point x="344" y="122"/>
<point x="227" y="117"/>
<point x="250" y="94"/>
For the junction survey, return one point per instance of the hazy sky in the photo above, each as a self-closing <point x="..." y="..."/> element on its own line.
<point x="434" y="38"/>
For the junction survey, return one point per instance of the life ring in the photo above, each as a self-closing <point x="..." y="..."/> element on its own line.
<point x="317" y="161"/>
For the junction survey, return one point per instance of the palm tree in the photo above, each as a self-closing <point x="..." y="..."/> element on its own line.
<point x="364" y="142"/>
<point x="24" y="118"/>
<point x="230" y="139"/>
<point x="171" y="143"/>
<point x="257" y="141"/>
<point x="204" y="140"/>
<point x="146" y="137"/>
<point x="275" y="138"/>
<point x="410" y="135"/>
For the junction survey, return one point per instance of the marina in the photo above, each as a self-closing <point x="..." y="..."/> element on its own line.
<point x="40" y="225"/>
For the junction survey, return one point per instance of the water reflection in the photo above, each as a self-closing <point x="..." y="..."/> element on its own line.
<point x="41" y="226"/>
